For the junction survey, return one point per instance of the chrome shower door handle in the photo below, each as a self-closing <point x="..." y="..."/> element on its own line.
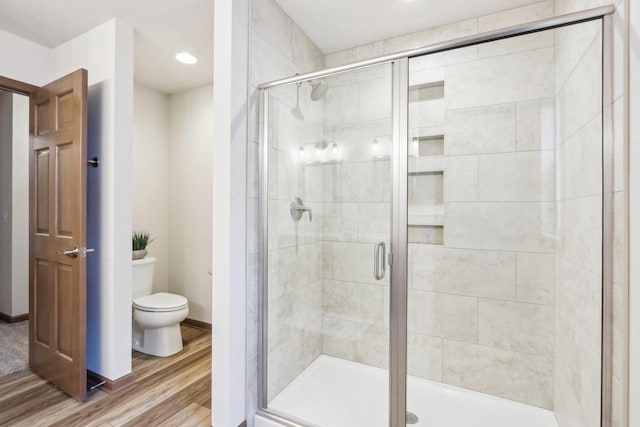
<point x="379" y="257"/>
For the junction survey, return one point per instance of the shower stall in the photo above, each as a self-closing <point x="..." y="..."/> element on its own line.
<point x="436" y="234"/>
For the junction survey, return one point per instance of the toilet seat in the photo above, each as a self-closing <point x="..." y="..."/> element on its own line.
<point x="160" y="302"/>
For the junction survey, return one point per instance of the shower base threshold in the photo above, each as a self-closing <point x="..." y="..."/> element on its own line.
<point x="333" y="392"/>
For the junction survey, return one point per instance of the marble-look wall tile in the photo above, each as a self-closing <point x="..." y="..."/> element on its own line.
<point x="293" y="267"/>
<point x="571" y="43"/>
<point x="580" y="232"/>
<point x="461" y="178"/>
<point x="272" y="23"/>
<point x="267" y="63"/>
<point x="480" y="130"/>
<point x="285" y="232"/>
<point x="527" y="328"/>
<point x="355" y="140"/>
<point x="580" y="99"/>
<point x="339" y="338"/>
<point x="341" y="104"/>
<point x="578" y="341"/>
<point x="355" y="54"/>
<point x="304" y="51"/>
<point x="424" y="356"/>
<point x="443" y="315"/>
<point x="524" y="227"/>
<point x="535" y="277"/>
<point x="523" y="377"/>
<point x="374" y="222"/>
<point x="313" y="176"/>
<point x="516" y="77"/>
<point x="353" y="301"/>
<point x="327" y="260"/>
<point x="354" y="182"/>
<point x="431" y="35"/>
<point x="372" y="345"/>
<point x="285" y="362"/>
<point x="580" y="162"/>
<point x="441" y="59"/>
<point x="535" y="125"/>
<point x="375" y="99"/>
<point x="279" y="48"/>
<point x="340" y="222"/>
<point x="520" y="176"/>
<point x="516" y="44"/>
<point x="490" y="274"/>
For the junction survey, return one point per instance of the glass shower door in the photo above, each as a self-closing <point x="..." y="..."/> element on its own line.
<point x="328" y="205"/>
<point x="505" y="232"/>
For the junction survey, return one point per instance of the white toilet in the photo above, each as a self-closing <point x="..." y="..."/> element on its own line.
<point x="156" y="317"/>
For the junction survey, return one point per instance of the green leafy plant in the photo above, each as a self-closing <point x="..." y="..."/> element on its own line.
<point x="140" y="240"/>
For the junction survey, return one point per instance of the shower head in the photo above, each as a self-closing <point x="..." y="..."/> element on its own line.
<point x="318" y="90"/>
<point x="296" y="111"/>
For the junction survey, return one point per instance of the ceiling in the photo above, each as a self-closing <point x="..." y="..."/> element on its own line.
<point x="334" y="25"/>
<point x="163" y="28"/>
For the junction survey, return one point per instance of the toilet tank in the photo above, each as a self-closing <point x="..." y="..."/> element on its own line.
<point x="142" y="276"/>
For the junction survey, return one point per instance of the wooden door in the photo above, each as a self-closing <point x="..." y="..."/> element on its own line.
<point x="58" y="207"/>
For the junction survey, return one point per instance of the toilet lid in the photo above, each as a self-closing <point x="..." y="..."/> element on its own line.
<point x="160" y="301"/>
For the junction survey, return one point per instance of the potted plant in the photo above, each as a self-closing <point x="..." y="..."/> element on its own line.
<point x="140" y="240"/>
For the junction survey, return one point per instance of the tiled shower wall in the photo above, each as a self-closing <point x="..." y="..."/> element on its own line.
<point x="579" y="248"/>
<point x="279" y="48"/>
<point x="481" y="297"/>
<point x="356" y="215"/>
<point x="579" y="403"/>
<point x="575" y="401"/>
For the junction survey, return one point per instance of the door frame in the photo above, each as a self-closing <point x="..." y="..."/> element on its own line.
<point x="15" y="86"/>
<point x="19" y="88"/>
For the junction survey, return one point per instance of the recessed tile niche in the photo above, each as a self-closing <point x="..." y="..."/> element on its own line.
<point x="426" y="171"/>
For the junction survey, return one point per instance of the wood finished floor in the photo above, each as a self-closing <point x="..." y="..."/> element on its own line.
<point x="171" y="391"/>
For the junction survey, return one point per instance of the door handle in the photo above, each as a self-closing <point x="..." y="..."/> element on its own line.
<point x="73" y="253"/>
<point x="379" y="257"/>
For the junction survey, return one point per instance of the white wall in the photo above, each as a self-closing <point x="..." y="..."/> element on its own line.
<point x="20" y="207"/>
<point x="150" y="180"/>
<point x="30" y="62"/>
<point x="6" y="149"/>
<point x="230" y="70"/>
<point x="14" y="204"/>
<point x="107" y="53"/>
<point x="172" y="196"/>
<point x="190" y="195"/>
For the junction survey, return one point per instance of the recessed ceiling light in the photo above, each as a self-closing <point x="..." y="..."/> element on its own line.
<point x="186" y="58"/>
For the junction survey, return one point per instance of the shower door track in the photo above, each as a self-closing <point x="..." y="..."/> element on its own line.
<point x="398" y="298"/>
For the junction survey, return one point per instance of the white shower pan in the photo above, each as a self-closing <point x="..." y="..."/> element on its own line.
<point x="334" y="392"/>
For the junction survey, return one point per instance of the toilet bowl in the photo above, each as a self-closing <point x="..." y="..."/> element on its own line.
<point x="157" y="320"/>
<point x="156" y="317"/>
